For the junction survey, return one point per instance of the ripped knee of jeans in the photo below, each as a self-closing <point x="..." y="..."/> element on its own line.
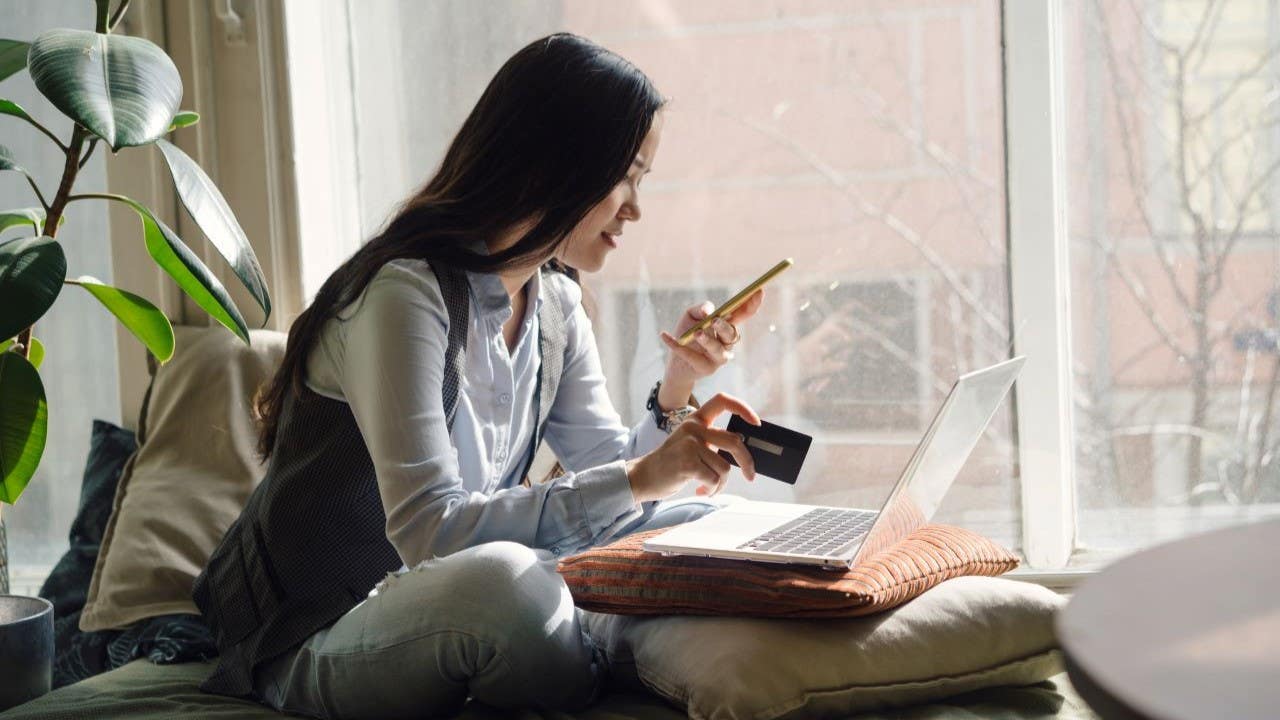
<point x="392" y="578"/>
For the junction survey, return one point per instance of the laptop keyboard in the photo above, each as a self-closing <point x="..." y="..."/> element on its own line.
<point x="818" y="532"/>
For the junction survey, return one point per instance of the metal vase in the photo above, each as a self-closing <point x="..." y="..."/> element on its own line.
<point x="26" y="649"/>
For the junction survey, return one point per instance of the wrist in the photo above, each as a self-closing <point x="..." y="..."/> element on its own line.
<point x="674" y="393"/>
<point x="634" y="469"/>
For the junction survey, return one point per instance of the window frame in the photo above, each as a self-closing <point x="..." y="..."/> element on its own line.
<point x="1039" y="278"/>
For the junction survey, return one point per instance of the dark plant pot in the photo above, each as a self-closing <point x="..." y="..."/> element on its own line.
<point x="26" y="649"/>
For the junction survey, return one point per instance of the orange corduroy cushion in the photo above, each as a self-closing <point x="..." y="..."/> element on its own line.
<point x="622" y="578"/>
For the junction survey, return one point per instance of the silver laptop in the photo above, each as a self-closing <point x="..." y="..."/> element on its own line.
<point x="838" y="537"/>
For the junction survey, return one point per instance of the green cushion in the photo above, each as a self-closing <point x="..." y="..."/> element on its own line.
<point x="143" y="691"/>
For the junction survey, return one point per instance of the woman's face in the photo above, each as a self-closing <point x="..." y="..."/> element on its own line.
<point x="600" y="232"/>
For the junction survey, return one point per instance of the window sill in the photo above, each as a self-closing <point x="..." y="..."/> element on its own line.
<point x="1063" y="582"/>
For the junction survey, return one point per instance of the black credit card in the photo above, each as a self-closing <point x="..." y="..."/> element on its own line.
<point x="778" y="452"/>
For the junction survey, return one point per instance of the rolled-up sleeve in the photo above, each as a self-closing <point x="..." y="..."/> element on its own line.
<point x="584" y="429"/>
<point x="391" y="376"/>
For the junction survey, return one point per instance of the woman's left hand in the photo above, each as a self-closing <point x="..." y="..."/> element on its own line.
<point x="711" y="348"/>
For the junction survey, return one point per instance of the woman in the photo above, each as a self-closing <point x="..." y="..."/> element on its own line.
<point x="411" y="396"/>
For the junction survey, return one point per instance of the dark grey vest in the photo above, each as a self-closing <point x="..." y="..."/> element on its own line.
<point x="311" y="542"/>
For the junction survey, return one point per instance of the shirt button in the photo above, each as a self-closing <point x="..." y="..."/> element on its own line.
<point x="504" y="398"/>
<point x="555" y="549"/>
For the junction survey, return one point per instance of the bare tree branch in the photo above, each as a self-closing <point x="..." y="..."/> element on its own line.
<point x="1236" y="84"/>
<point x="1180" y="154"/>
<point x="1139" y="293"/>
<point x="952" y="166"/>
<point x="1214" y="162"/>
<point x="1258" y="185"/>
<point x="1146" y="26"/>
<point x="1205" y="29"/>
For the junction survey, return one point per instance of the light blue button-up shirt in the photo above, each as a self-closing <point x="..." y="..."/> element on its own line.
<point x="446" y="490"/>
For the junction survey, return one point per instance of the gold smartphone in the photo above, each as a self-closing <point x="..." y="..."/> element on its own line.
<point x="732" y="303"/>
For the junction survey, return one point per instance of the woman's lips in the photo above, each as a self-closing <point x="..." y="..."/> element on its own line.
<point x="610" y="241"/>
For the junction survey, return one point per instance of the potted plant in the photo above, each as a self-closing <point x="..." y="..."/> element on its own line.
<point x="26" y="649"/>
<point x="122" y="92"/>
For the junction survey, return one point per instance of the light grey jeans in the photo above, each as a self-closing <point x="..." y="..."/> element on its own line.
<point x="493" y="622"/>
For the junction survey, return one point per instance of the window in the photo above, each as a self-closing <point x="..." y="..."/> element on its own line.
<point x="1173" y="116"/>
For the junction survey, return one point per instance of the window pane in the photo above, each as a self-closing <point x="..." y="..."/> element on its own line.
<point x="865" y="141"/>
<point x="1174" y="122"/>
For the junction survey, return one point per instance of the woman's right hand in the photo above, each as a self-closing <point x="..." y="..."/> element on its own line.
<point x="689" y="453"/>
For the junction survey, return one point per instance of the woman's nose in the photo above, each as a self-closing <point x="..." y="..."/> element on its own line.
<point x="630" y="210"/>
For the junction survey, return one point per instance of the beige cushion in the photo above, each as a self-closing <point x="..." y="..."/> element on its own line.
<point x="191" y="476"/>
<point x="964" y="634"/>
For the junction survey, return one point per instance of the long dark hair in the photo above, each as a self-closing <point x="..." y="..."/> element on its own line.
<point x="553" y="133"/>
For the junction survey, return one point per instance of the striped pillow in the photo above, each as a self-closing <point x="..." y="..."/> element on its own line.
<point x="623" y="579"/>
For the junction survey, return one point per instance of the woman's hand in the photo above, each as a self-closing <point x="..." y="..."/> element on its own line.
<point x="689" y="454"/>
<point x="707" y="352"/>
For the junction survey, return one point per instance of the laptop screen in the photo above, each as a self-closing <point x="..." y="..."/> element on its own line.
<point x="942" y="453"/>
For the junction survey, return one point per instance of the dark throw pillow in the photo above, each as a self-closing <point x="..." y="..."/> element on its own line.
<point x="68" y="584"/>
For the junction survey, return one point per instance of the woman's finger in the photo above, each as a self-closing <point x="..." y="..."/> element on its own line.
<point x="698" y="312"/>
<point x="726" y="332"/>
<point x="719" y="403"/>
<point x="718" y="466"/>
<point x="713" y="486"/>
<point x="729" y="442"/>
<point x="711" y="489"/>
<point x="748" y="308"/>
<point x="715" y="350"/>
<point x="700" y="363"/>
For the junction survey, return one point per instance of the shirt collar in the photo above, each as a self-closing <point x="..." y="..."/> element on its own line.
<point x="491" y="295"/>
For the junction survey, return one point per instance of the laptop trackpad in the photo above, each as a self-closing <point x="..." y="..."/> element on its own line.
<point x="727" y="528"/>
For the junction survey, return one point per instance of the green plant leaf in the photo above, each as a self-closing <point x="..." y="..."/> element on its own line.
<point x="123" y="89"/>
<point x="138" y="315"/>
<point x="183" y="119"/>
<point x="36" y="354"/>
<point x="32" y="216"/>
<point x="7" y="162"/>
<point x="13" y="57"/>
<point x="193" y="276"/>
<point x="24" y="422"/>
<point x="9" y="107"/>
<point x="31" y="275"/>
<point x="210" y="210"/>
